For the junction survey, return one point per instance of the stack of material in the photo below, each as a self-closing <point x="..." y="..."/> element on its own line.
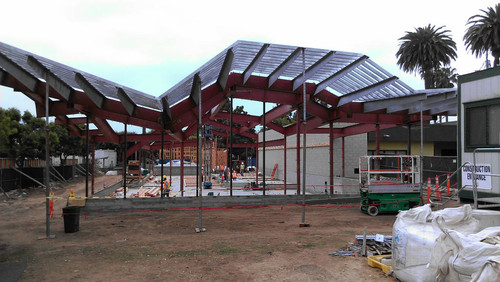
<point x="153" y="192"/>
<point x="380" y="246"/>
<point x="141" y="193"/>
<point x="375" y="244"/>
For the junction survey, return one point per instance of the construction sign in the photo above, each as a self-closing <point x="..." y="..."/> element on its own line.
<point x="482" y="174"/>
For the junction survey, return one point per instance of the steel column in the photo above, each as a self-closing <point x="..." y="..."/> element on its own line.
<point x="257" y="161"/>
<point x="264" y="148"/>
<point x="331" y="158"/>
<point x="182" y="166"/>
<point x="298" y="151"/>
<point x="171" y="161"/>
<point x="304" y="146"/>
<point x="421" y="149"/>
<point x="377" y="148"/>
<point x="125" y="164"/>
<point x="343" y="156"/>
<point x="409" y="139"/>
<point x="93" y="168"/>
<point x="47" y="156"/>
<point x="231" y="144"/>
<point x="161" y="160"/>
<point x="87" y="158"/>
<point x="198" y="158"/>
<point x="200" y="213"/>
<point x="284" y="167"/>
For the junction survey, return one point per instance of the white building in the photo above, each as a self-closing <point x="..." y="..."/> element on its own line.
<point x="479" y="129"/>
<point x="345" y="160"/>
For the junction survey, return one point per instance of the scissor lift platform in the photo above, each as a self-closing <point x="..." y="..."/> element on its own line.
<point x="389" y="183"/>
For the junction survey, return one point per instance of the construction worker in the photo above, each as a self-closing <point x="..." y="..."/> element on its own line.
<point x="242" y="168"/>
<point x="166" y="186"/>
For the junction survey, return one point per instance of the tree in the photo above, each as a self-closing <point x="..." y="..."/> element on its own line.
<point x="426" y="50"/>
<point x="62" y="144"/>
<point x="32" y="141"/>
<point x="10" y="132"/>
<point x="444" y="78"/>
<point x="23" y="137"/>
<point x="483" y="34"/>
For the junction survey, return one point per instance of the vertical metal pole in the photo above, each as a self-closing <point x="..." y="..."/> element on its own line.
<point x="140" y="159"/>
<point x="93" y="168"/>
<point x="298" y="151"/>
<point x="343" y="156"/>
<point x="198" y="161"/>
<point x="304" y="112"/>
<point x="144" y="155"/>
<point x="182" y="167"/>
<point x="264" y="148"/>
<point x="421" y="146"/>
<point x="284" y="165"/>
<point x="377" y="141"/>
<point x="216" y="139"/>
<point x="474" y="180"/>
<point x="377" y="148"/>
<point x="409" y="139"/>
<point x="200" y="217"/>
<point x="47" y="156"/>
<point x="162" y="158"/>
<point x="171" y="161"/>
<point x="87" y="158"/>
<point x="257" y="161"/>
<point x="331" y="158"/>
<point x="231" y="144"/>
<point x="125" y="164"/>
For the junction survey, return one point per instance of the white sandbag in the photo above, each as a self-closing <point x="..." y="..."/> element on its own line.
<point x="414" y="237"/>
<point x="456" y="256"/>
<point x="489" y="272"/>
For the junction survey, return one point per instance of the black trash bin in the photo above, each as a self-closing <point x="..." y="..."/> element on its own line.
<point x="71" y="219"/>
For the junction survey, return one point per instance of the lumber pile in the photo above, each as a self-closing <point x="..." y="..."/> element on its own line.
<point x="147" y="192"/>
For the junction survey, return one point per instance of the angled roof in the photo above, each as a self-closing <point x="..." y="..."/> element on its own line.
<point x="67" y="75"/>
<point x="341" y="73"/>
<point x="341" y="87"/>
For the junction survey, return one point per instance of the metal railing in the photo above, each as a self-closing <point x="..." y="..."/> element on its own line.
<point x="474" y="179"/>
<point x="442" y="185"/>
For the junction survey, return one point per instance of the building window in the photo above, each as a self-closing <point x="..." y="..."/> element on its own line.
<point x="482" y="124"/>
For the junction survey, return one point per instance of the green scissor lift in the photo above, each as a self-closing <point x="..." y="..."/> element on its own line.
<point x="389" y="183"/>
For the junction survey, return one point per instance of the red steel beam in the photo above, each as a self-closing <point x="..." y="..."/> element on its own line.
<point x="237" y="118"/>
<point x="276" y="127"/>
<point x="264" y="95"/>
<point x="374" y="118"/>
<point x="276" y="113"/>
<point x="106" y="129"/>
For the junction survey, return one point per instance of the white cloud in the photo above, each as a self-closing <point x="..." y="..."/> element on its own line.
<point x="116" y="37"/>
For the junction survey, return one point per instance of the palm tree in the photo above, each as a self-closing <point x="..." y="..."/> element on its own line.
<point x="425" y="50"/>
<point x="483" y="33"/>
<point x="444" y="78"/>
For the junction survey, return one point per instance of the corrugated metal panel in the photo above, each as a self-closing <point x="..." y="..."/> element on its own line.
<point x="361" y="77"/>
<point x="67" y="74"/>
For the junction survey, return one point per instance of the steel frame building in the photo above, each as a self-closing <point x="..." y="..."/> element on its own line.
<point x="328" y="87"/>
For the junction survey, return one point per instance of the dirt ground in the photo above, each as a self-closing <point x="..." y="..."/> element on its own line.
<point x="239" y="244"/>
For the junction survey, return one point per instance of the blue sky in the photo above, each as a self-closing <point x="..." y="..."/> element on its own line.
<point x="151" y="45"/>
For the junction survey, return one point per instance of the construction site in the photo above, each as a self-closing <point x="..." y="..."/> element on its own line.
<point x="302" y="201"/>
